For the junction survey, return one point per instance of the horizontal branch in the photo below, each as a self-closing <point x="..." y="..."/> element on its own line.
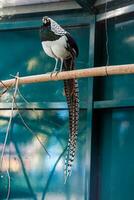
<point x="82" y="73"/>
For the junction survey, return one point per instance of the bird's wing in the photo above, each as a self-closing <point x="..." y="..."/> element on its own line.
<point x="72" y="46"/>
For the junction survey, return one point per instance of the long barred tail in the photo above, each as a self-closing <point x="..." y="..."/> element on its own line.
<point x="72" y="96"/>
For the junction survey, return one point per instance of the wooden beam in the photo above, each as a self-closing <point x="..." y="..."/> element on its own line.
<point x="82" y="73"/>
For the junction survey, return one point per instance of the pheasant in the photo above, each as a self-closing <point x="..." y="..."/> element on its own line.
<point x="59" y="44"/>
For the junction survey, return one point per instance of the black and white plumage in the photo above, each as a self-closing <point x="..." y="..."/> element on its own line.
<point x="58" y="44"/>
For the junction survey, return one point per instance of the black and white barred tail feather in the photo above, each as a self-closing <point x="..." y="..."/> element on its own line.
<point x="72" y="96"/>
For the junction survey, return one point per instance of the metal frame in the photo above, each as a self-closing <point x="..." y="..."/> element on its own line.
<point x="113" y="3"/>
<point x="91" y="6"/>
<point x="40" y="8"/>
<point x="40" y="106"/>
<point x="116" y="13"/>
<point x="114" y="104"/>
<point x="90" y="110"/>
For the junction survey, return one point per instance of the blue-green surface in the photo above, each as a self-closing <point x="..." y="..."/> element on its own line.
<point x="30" y="166"/>
<point x="115" y="144"/>
<point x="120" y="51"/>
<point x="113" y="138"/>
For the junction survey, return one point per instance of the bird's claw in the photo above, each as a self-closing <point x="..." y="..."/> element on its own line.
<point x="54" y="73"/>
<point x="51" y="74"/>
<point x="57" y="73"/>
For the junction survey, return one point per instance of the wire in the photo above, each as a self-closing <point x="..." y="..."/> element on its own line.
<point x="107" y="39"/>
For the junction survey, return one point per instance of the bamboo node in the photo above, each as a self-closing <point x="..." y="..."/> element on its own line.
<point x="106" y="70"/>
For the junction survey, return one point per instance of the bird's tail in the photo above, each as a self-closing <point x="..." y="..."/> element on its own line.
<point x="72" y="96"/>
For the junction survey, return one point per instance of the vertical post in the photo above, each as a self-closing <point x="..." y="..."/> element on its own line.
<point x="89" y="109"/>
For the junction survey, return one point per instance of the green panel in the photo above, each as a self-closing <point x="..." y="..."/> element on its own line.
<point x="32" y="171"/>
<point x="21" y="51"/>
<point x="114" y="142"/>
<point x="120" y="51"/>
<point x="88" y="143"/>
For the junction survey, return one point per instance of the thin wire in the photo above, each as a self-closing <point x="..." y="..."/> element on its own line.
<point x="3" y="84"/>
<point x="7" y="134"/>
<point x="25" y="124"/>
<point x="107" y="39"/>
<point x="34" y="110"/>
<point x="30" y="130"/>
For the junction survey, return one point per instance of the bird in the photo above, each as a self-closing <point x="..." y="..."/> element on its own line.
<point x="58" y="44"/>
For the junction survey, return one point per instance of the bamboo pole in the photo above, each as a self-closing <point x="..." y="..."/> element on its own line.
<point x="82" y="73"/>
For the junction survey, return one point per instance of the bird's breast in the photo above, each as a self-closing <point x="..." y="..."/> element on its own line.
<point x="57" y="48"/>
<point x="47" y="47"/>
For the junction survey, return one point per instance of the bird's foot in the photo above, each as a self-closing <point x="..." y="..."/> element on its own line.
<point x="57" y="72"/>
<point x="53" y="73"/>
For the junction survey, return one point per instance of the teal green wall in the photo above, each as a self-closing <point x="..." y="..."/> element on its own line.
<point x="116" y="162"/>
<point x="113" y="139"/>
<point x="33" y="175"/>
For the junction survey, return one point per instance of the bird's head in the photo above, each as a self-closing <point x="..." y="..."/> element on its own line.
<point x="46" y="21"/>
<point x="52" y="25"/>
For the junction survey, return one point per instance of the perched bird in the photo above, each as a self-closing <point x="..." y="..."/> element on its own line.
<point x="59" y="44"/>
